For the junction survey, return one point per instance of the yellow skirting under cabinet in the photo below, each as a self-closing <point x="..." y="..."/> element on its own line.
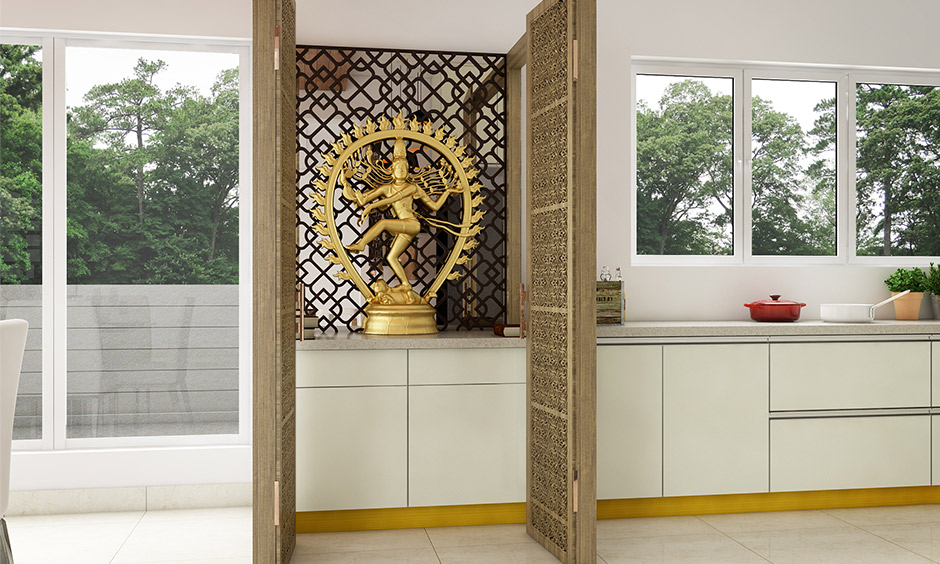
<point x="502" y="513"/>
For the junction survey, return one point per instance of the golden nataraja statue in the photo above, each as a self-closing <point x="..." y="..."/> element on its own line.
<point x="397" y="310"/>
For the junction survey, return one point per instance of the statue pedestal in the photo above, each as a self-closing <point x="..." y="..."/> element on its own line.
<point x="399" y="319"/>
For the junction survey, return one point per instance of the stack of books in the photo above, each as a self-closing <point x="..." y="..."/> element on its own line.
<point x="610" y="302"/>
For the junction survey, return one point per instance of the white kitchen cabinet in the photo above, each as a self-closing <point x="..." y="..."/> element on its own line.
<point x="849" y="452"/>
<point x="715" y="419"/>
<point x="809" y="376"/>
<point x="629" y="421"/>
<point x="466" y="366"/>
<point x="466" y="444"/>
<point x="352" y="446"/>
<point x="936" y="374"/>
<point x="352" y="368"/>
<point x="935" y="435"/>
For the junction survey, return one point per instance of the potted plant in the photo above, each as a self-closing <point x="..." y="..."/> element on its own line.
<point x="913" y="279"/>
<point x="933" y="285"/>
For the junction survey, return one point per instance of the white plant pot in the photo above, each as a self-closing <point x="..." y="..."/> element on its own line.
<point x="935" y="305"/>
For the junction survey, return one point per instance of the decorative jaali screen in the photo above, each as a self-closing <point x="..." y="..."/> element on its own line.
<point x="462" y="93"/>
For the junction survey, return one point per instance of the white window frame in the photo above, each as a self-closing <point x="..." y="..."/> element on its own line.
<point x="54" y="293"/>
<point x="705" y="71"/>
<point x="744" y="72"/>
<point x="913" y="77"/>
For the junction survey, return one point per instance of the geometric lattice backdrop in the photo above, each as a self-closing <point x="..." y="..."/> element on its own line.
<point x="463" y="94"/>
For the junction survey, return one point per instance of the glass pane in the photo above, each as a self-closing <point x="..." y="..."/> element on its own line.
<point x="793" y="167"/>
<point x="21" y="219"/>
<point x="685" y="175"/>
<point x="152" y="243"/>
<point x="897" y="170"/>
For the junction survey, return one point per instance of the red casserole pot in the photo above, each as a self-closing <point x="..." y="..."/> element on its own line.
<point x="775" y="309"/>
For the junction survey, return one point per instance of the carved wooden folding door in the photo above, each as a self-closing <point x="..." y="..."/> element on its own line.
<point x="560" y="95"/>
<point x="274" y="171"/>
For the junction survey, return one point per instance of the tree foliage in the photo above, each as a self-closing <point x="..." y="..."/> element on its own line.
<point x="898" y="170"/>
<point x="20" y="165"/>
<point x="152" y="178"/>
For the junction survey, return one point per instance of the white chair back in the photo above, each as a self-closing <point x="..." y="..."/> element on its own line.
<point x="12" y="344"/>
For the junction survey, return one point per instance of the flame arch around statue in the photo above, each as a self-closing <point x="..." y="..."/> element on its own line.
<point x="398" y="310"/>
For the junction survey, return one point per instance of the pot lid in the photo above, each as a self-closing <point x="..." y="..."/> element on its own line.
<point x="776" y="301"/>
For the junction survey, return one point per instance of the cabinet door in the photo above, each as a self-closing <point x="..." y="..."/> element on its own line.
<point x="807" y="376"/>
<point x="352" y="450"/>
<point x="466" y="444"/>
<point x="935" y="436"/>
<point x="715" y="419"/>
<point x="936" y="373"/>
<point x="629" y="421"/>
<point x="852" y="452"/>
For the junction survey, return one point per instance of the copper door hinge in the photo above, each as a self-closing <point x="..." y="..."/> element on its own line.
<point x="574" y="493"/>
<point x="277" y="504"/>
<point x="277" y="47"/>
<point x="523" y="301"/>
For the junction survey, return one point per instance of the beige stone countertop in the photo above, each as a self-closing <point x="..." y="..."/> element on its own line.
<point x="445" y="340"/>
<point x="928" y="328"/>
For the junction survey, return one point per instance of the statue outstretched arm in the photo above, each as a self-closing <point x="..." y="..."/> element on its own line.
<point x="435" y="205"/>
<point x="406" y="192"/>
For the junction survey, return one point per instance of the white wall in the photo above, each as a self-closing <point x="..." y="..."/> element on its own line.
<point x="202" y="18"/>
<point x="843" y="32"/>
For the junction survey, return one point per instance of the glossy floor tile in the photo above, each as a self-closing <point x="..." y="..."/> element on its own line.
<point x="888" y="535"/>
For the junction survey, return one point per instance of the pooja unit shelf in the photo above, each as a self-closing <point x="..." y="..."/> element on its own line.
<point x="411" y="427"/>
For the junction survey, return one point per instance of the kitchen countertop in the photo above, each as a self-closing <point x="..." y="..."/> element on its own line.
<point x="808" y="328"/>
<point x="444" y="340"/>
<point x="641" y="331"/>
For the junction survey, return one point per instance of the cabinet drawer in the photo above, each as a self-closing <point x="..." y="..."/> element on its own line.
<point x="352" y="368"/>
<point x="629" y="421"/>
<point x="467" y="366"/>
<point x="851" y="452"/>
<point x="805" y="376"/>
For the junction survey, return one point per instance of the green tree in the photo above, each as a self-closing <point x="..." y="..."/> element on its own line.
<point x="123" y="116"/>
<point x="20" y="164"/>
<point x="685" y="173"/>
<point x="898" y="169"/>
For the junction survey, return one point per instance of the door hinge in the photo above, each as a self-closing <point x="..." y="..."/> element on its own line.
<point x="574" y="492"/>
<point x="277" y="504"/>
<point x="277" y="47"/>
<point x="574" y="59"/>
<point x="523" y="302"/>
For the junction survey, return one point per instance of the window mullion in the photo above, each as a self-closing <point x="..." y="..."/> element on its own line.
<point x="747" y="195"/>
<point x="59" y="251"/>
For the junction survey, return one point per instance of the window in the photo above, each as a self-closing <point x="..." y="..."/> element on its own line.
<point x="144" y="241"/>
<point x="788" y="195"/>
<point x="897" y="169"/>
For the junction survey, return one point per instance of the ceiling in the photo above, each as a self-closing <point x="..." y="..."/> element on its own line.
<point x="484" y="26"/>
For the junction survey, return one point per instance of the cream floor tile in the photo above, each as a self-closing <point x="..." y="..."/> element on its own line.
<point x="845" y="545"/>
<point x="521" y="553"/>
<point x="651" y="527"/>
<point x="771" y="521"/>
<point x="469" y="536"/>
<point x="359" y="541"/>
<point x="712" y="548"/>
<point x="922" y="538"/>
<point x="865" y="516"/>
<point x="391" y="556"/>
<point x="171" y="536"/>
<point x="73" y="539"/>
<point x="210" y="514"/>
